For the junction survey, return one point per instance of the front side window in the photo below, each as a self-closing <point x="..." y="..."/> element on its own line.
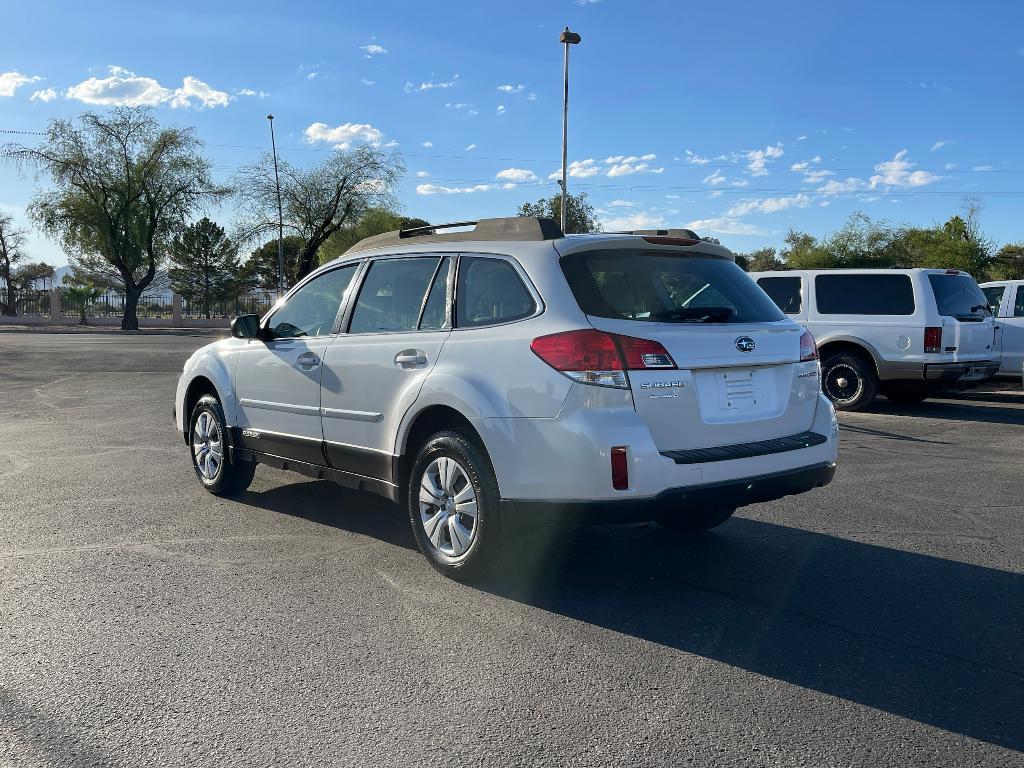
<point x="994" y="296"/>
<point x="392" y="295"/>
<point x="957" y="295"/>
<point x="490" y="291"/>
<point x="1018" y="305"/>
<point x="864" y="294"/>
<point x="665" y="287"/>
<point x="313" y="308"/>
<point x="785" y="292"/>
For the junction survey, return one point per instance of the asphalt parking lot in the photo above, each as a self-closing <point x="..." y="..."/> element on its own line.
<point x="877" y="621"/>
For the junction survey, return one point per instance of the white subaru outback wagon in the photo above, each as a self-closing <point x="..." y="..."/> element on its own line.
<point x="482" y="378"/>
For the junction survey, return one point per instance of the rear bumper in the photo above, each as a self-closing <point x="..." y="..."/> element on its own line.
<point x="722" y="495"/>
<point x="951" y="373"/>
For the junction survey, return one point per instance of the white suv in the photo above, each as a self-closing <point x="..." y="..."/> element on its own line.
<point x="901" y="332"/>
<point x="509" y="373"/>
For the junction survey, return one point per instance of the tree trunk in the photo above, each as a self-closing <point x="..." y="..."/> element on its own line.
<point x="130" y="317"/>
<point x="10" y="308"/>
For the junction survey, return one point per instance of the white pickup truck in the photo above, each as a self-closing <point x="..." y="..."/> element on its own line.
<point x="1006" y="300"/>
<point x="900" y="332"/>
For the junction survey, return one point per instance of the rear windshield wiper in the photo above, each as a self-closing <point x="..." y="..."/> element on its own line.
<point x="694" y="315"/>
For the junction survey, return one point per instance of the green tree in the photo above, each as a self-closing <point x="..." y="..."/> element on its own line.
<point x="204" y="264"/>
<point x="12" y="251"/>
<point x="1008" y="263"/>
<point x="27" y="275"/>
<point x="122" y="185"/>
<point x="803" y="251"/>
<point x="81" y="294"/>
<point x="260" y="269"/>
<point x="761" y="260"/>
<point x="375" y="221"/>
<point x="579" y="214"/>
<point x="318" y="201"/>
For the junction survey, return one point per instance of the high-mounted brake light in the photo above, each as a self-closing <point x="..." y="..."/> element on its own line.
<point x="952" y="271"/>
<point x="933" y="339"/>
<point x="596" y="357"/>
<point x="671" y="240"/>
<point x="808" y="348"/>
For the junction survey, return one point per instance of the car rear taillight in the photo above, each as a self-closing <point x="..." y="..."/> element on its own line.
<point x="596" y="357"/>
<point x="620" y="468"/>
<point x="808" y="348"/>
<point x="933" y="339"/>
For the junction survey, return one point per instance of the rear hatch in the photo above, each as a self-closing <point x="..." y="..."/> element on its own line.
<point x="968" y="329"/>
<point x="737" y="357"/>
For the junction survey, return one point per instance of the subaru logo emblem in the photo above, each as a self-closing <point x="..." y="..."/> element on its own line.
<point x="745" y="344"/>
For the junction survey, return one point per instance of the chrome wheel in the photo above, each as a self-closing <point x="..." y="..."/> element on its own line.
<point x="843" y="384"/>
<point x="207" y="446"/>
<point x="448" y="511"/>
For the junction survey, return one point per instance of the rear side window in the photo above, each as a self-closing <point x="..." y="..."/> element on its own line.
<point x="785" y="292"/>
<point x="958" y="296"/>
<point x="665" y="287"/>
<point x="994" y="296"/>
<point x="392" y="295"/>
<point x="490" y="291"/>
<point x="864" y="294"/>
<point x="1018" y="305"/>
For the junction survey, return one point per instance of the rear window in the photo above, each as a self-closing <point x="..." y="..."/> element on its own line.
<point x="785" y="292"/>
<point x="864" y="294"/>
<point x="665" y="288"/>
<point x="959" y="296"/>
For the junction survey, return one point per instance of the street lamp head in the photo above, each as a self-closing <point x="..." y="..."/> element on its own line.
<point x="270" y="117"/>
<point x="569" y="38"/>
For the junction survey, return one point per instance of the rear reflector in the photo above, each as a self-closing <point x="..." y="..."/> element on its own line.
<point x="933" y="339"/>
<point x="808" y="349"/>
<point x="620" y="468"/>
<point x="595" y="357"/>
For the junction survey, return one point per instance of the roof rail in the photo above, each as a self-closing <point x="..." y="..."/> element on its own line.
<point x="520" y="228"/>
<point x="688" y="234"/>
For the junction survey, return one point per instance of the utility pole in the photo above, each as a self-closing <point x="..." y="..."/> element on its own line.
<point x="280" y="215"/>
<point x="567" y="38"/>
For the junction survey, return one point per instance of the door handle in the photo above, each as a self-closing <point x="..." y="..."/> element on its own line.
<point x="307" y="361"/>
<point x="411" y="358"/>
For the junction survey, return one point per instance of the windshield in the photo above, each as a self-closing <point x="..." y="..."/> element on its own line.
<point x="959" y="296"/>
<point x="665" y="288"/>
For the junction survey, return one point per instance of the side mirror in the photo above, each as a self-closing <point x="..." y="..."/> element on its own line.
<point x="246" y="327"/>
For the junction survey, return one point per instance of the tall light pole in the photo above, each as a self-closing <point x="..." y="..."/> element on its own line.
<point x="567" y="38"/>
<point x="280" y="214"/>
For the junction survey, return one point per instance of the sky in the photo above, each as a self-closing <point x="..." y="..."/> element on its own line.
<point x="742" y="120"/>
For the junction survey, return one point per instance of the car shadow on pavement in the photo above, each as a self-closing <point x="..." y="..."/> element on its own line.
<point x="964" y="410"/>
<point x="928" y="639"/>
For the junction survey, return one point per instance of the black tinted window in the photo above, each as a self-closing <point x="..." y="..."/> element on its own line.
<point x="312" y="310"/>
<point x="864" y="294"/>
<point x="1018" y="305"/>
<point x="784" y="291"/>
<point x="392" y="295"/>
<point x="958" y="296"/>
<point x="665" y="288"/>
<point x="435" y="314"/>
<point x="994" y="296"/>
<point x="490" y="291"/>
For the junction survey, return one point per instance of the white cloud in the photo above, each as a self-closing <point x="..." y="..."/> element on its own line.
<point x="428" y="144"/>
<point x="391" y="144"/>
<point x="983" y="168"/>
<point x="623" y="204"/>
<point x="950" y="166"/>
<point x="897" y="173"/>
<point x="429" y="85"/>
<point x="811" y="174"/>
<point x="840" y="187"/>
<point x="364" y="81"/>
<point x="312" y="75"/>
<point x="12" y="81"/>
<point x="695" y="159"/>
<point x="629" y="222"/>
<point x="940" y="144"/>
<point x="517" y="175"/>
<point x="469" y="148"/>
<point x="724" y="225"/>
<point x="511" y="88"/>
<point x="343" y="135"/>
<point x="435" y="189"/>
<point x="716" y="193"/>
<point x="501" y="109"/>
<point x="124" y="87"/>
<point x="715" y="178"/>
<point x="47" y="94"/>
<point x="623" y="165"/>
<point x="769" y="205"/>
<point x="372" y="50"/>
<point x="531" y="96"/>
<point x="579" y="169"/>
<point x="757" y="159"/>
<point x="801" y="138"/>
<point x="421" y="174"/>
<point x="251" y="92"/>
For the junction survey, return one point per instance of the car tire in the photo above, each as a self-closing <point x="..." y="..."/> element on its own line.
<point x="911" y="395"/>
<point x="454" y="506"/>
<point x="694" y="521"/>
<point x="211" y="459"/>
<point x="849" y="381"/>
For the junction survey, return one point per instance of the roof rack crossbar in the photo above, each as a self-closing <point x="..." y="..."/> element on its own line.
<point x="429" y="228"/>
